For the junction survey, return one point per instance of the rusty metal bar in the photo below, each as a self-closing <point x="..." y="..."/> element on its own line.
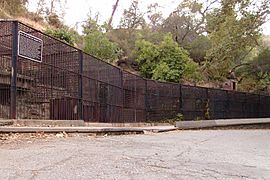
<point x="80" y="90"/>
<point x="13" y="86"/>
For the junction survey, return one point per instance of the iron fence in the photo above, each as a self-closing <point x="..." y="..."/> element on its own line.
<point x="70" y="84"/>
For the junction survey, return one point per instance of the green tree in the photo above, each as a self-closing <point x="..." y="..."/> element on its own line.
<point x="188" y="27"/>
<point x="255" y="75"/>
<point x="97" y="43"/>
<point x="198" y="48"/>
<point x="234" y="30"/>
<point x="147" y="56"/>
<point x="131" y="23"/>
<point x="188" y="21"/>
<point x="124" y="39"/>
<point x="165" y="61"/>
<point x="91" y="24"/>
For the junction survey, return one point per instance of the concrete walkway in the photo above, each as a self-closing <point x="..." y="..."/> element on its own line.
<point x="79" y="126"/>
<point x="220" y="123"/>
<point x="33" y="126"/>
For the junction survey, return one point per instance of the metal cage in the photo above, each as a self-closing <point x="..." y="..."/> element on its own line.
<point x="69" y="85"/>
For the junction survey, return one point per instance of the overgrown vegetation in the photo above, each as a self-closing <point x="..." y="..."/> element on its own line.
<point x="67" y="35"/>
<point x="165" y="61"/>
<point x="97" y="43"/>
<point x="200" y="42"/>
<point x="13" y="7"/>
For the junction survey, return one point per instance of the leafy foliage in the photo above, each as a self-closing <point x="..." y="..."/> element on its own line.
<point x="234" y="30"/>
<point x="64" y="34"/>
<point x="124" y="39"/>
<point x="147" y="55"/>
<point x="53" y="20"/>
<point x="187" y="22"/>
<point x="198" y="48"/>
<point x="256" y="74"/>
<point x="98" y="44"/>
<point x="166" y="61"/>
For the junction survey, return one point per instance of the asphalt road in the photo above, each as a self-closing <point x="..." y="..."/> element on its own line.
<point x="207" y="154"/>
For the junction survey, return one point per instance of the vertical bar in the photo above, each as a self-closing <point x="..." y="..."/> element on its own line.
<point x="227" y="110"/>
<point x="123" y="97"/>
<point x="180" y="100"/>
<point x="207" y="107"/>
<point x="146" y="101"/>
<point x="80" y="106"/>
<point x="135" y="99"/>
<point x="246" y="109"/>
<point x="13" y="86"/>
<point x="259" y="107"/>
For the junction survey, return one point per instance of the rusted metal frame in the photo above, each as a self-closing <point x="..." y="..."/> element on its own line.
<point x="80" y="88"/>
<point x="146" y="101"/>
<point x="14" y="59"/>
<point x="123" y="95"/>
<point x="180" y="110"/>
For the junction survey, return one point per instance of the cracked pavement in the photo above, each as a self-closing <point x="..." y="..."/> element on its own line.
<point x="206" y="154"/>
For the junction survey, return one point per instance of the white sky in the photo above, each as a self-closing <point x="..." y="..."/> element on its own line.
<point x="77" y="10"/>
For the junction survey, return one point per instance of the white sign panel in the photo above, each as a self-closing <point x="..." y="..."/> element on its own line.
<point x="30" y="47"/>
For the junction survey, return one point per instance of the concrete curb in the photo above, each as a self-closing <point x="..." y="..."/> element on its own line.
<point x="6" y="122"/>
<point x="85" y="129"/>
<point x="90" y="124"/>
<point x="32" y="123"/>
<point x="219" y="123"/>
<point x="75" y="123"/>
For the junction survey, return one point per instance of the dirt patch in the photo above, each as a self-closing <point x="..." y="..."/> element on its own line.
<point x="16" y="138"/>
